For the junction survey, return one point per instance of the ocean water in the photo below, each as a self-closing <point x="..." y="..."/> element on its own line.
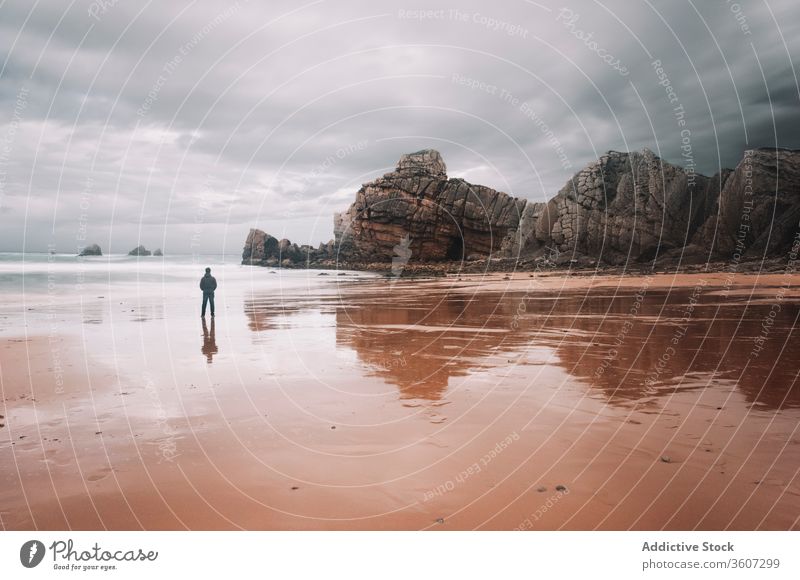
<point x="62" y="280"/>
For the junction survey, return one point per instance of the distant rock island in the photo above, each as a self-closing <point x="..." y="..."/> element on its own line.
<point x="94" y="250"/>
<point x="139" y="251"/>
<point x="622" y="208"/>
<point x="91" y="250"/>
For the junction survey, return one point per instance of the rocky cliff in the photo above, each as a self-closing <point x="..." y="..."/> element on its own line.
<point x="757" y="213"/>
<point x="636" y="207"/>
<point x="444" y="219"/>
<point x="624" y="207"/>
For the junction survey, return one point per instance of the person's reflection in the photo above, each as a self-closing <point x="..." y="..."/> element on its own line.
<point x="209" y="341"/>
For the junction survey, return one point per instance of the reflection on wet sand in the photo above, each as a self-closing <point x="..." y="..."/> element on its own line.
<point x="364" y="406"/>
<point x="93" y="311"/>
<point x="265" y="313"/>
<point x="636" y="348"/>
<point x="632" y="347"/>
<point x="418" y="343"/>
<point x="209" y="342"/>
<point x="146" y="311"/>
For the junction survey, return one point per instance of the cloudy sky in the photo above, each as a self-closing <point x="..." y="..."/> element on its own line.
<point x="182" y="124"/>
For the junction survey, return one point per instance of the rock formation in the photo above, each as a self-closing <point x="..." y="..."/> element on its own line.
<point x="636" y="207"/>
<point x="264" y="250"/>
<point x="445" y="219"/>
<point x="139" y="251"/>
<point x="757" y="213"/>
<point x="624" y="207"/>
<point x="158" y="252"/>
<point x="91" y="250"/>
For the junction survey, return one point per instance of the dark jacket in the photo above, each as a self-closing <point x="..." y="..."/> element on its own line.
<point x="208" y="283"/>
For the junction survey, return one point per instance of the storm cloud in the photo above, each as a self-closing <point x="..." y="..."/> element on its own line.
<point x="182" y="125"/>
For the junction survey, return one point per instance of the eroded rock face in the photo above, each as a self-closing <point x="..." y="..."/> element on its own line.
<point x="624" y="207"/>
<point x="444" y="219"/>
<point x="758" y="210"/>
<point x="634" y="207"/>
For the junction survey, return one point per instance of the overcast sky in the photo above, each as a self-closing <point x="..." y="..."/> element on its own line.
<point x="172" y="124"/>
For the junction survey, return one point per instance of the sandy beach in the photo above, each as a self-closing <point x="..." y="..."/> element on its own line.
<point x="523" y="401"/>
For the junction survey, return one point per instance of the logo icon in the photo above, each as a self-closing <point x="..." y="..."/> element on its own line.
<point x="402" y="256"/>
<point x="31" y="553"/>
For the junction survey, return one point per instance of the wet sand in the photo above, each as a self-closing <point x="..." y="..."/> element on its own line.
<point x="537" y="402"/>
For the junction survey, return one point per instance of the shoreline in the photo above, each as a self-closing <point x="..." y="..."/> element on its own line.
<point x="510" y="265"/>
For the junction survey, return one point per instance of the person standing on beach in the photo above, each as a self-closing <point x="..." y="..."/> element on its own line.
<point x="208" y="284"/>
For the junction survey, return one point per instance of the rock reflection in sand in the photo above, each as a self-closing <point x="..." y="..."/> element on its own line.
<point x="632" y="347"/>
<point x="667" y="347"/>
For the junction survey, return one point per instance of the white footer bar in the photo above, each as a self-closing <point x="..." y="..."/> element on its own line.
<point x="406" y="555"/>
